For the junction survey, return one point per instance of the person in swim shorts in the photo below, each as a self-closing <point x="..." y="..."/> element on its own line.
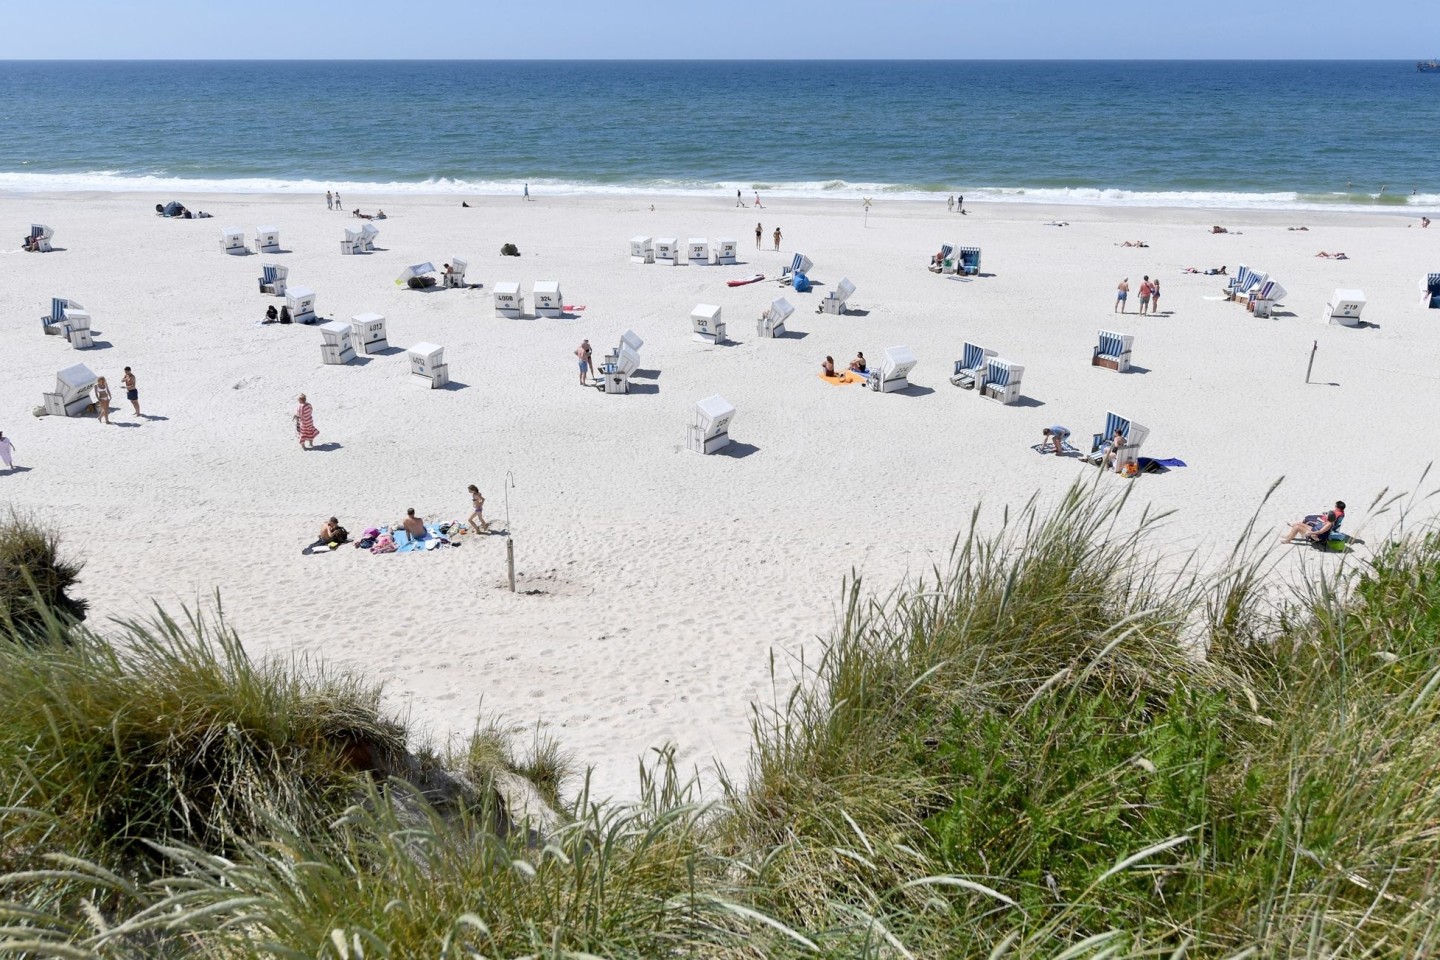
<point x="583" y="352"/>
<point x="1121" y="292"/>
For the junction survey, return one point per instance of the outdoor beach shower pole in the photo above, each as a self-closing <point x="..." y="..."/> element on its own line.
<point x="509" y="543"/>
<point x="1314" y="345"/>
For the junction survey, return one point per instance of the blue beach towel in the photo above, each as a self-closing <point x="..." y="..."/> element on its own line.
<point x="1158" y="465"/>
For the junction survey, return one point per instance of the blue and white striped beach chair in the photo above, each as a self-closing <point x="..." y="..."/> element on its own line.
<point x="1002" y="380"/>
<point x="40" y="236"/>
<point x="1113" y="351"/>
<point x="1431" y="286"/>
<point x="1134" y="436"/>
<point x="54" y="321"/>
<point x="798" y="264"/>
<point x="273" y="279"/>
<point x="971" y="365"/>
<point x="968" y="262"/>
<point x="1245" y="280"/>
<point x="1264" y="297"/>
<point x="943" y="263"/>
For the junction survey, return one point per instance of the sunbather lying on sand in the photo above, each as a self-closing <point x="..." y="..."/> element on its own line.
<point x="1137" y="243"/>
<point x="1212" y="272"/>
<point x="1332" y="256"/>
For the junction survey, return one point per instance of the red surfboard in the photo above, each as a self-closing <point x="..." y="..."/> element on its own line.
<point x="740" y="283"/>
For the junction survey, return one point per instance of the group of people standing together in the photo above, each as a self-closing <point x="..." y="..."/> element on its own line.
<point x="101" y="391"/>
<point x="1149" y="295"/>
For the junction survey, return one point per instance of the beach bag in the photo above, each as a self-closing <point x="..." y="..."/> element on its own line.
<point x="509" y="250"/>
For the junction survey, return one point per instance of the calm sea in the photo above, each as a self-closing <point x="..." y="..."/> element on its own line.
<point x="1241" y="133"/>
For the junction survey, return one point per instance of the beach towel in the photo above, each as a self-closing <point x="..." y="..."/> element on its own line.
<point x="1046" y="446"/>
<point x="1158" y="465"/>
<point x="841" y="379"/>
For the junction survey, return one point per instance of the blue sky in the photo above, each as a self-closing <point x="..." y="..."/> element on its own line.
<point x="739" y="29"/>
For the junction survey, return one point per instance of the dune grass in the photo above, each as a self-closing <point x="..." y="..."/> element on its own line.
<point x="1044" y="748"/>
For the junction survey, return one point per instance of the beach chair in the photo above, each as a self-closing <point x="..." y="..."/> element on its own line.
<point x="368" y="233"/>
<point x="1243" y="282"/>
<point x="667" y="251"/>
<point x="301" y="301"/>
<point x="351" y="243"/>
<point x="77" y="324"/>
<point x="697" y="252"/>
<point x="368" y="333"/>
<point x="338" y="345"/>
<point x="614" y="375"/>
<point x="267" y="239"/>
<point x="706" y="325"/>
<point x="629" y="339"/>
<point x="232" y="241"/>
<point x="1257" y="280"/>
<point x="1431" y="286"/>
<point x="642" y="250"/>
<point x="894" y="372"/>
<point x="837" y="300"/>
<point x="413" y="273"/>
<point x="1344" y="308"/>
<point x="546" y="300"/>
<point x="1264" y="298"/>
<point x="947" y="259"/>
<point x="272" y="279"/>
<point x="772" y="322"/>
<point x="1127" y="453"/>
<point x="1113" y="351"/>
<point x="709" y="429"/>
<point x="971" y="366"/>
<point x="1002" y="380"/>
<point x="53" y="323"/>
<point x="725" y="252"/>
<point x="40" y="237"/>
<point x="72" y="392"/>
<point x="798" y="264"/>
<point x="427" y="361"/>
<point x="456" y="277"/>
<point x="967" y="261"/>
<point x="509" y="301"/>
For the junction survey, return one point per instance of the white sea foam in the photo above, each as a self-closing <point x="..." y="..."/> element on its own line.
<point x="111" y="181"/>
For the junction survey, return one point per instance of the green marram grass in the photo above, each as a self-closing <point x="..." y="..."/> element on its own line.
<point x="1062" y="743"/>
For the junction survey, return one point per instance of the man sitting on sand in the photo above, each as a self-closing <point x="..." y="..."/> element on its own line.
<point x="414" y="525"/>
<point x="1317" y="526"/>
<point x="331" y="532"/>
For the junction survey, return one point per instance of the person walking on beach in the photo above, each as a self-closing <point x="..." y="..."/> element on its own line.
<point x="584" y="353"/>
<point x="329" y="200"/>
<point x="527" y="192"/>
<point x="757" y="200"/>
<point x="305" y="423"/>
<point x="1144" y="295"/>
<point x="7" y="450"/>
<point x="759" y="232"/>
<point x="777" y="238"/>
<point x="102" y="399"/>
<point x="477" y="514"/>
<point x="950" y="203"/>
<point x="739" y="200"/>
<point x="1154" y="296"/>
<point x="960" y="204"/>
<point x="1121" y="292"/>
<point x="337" y="201"/>
<point x="131" y="392"/>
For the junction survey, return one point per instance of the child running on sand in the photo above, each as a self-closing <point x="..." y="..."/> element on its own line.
<point x="477" y="515"/>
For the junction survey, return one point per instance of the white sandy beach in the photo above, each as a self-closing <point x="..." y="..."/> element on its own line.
<point x="656" y="583"/>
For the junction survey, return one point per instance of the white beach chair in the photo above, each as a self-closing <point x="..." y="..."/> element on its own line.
<point x="1344" y="308"/>
<point x="72" y="392"/>
<point x="629" y="339"/>
<point x="267" y="239"/>
<point x="369" y="333"/>
<point x="1134" y="437"/>
<point x="1430" y="286"/>
<point x="894" y="372"/>
<point x="368" y="233"/>
<point x="232" y="241"/>
<point x="725" y="251"/>
<point x="1002" y="380"/>
<point x="709" y="428"/>
<point x="1113" y="351"/>
<point x="338" y="345"/>
<point x="546" y="300"/>
<point x="837" y="300"/>
<point x="427" y="361"/>
<point x="54" y="323"/>
<point x="667" y="251"/>
<point x="642" y="250"/>
<point x="301" y="303"/>
<point x="614" y="376"/>
<point x="798" y="264"/>
<point x="509" y="301"/>
<point x="78" y="329"/>
<point x="697" y="251"/>
<point x="351" y="243"/>
<point x="272" y="279"/>
<point x="970" y="368"/>
<point x="40" y="237"/>
<point x="456" y="277"/>
<point x="706" y="325"/>
<point x="967" y="261"/>
<point x="772" y="322"/>
<point x="1263" y="300"/>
